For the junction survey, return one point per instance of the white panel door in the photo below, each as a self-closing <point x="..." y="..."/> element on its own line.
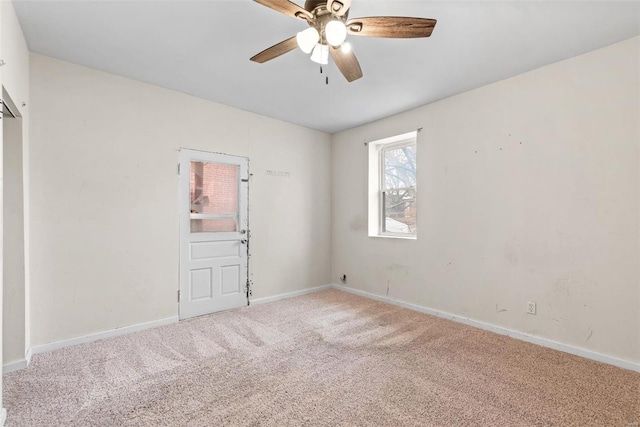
<point x="213" y="232"/>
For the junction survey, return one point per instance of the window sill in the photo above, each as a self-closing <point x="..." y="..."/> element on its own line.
<point x="391" y="236"/>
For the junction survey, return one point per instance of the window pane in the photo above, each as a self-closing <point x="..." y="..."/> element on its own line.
<point x="400" y="167"/>
<point x="212" y="225"/>
<point x="392" y="186"/>
<point x="400" y="211"/>
<point x="214" y="191"/>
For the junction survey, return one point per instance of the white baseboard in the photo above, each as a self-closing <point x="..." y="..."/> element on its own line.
<point x="28" y="355"/>
<point x="544" y="342"/>
<point x="100" y="335"/>
<point x="17" y="365"/>
<point x="133" y="328"/>
<point x="290" y="295"/>
<point x="14" y="366"/>
<point x="3" y="416"/>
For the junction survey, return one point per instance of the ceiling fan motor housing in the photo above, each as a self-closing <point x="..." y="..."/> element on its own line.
<point x="312" y="4"/>
<point x="322" y="16"/>
<point x="336" y="5"/>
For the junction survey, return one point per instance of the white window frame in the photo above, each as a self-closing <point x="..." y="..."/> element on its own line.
<point x="376" y="183"/>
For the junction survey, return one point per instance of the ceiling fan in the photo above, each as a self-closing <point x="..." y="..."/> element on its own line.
<point x="328" y="28"/>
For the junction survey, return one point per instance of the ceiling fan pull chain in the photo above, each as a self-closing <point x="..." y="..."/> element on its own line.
<point x="326" y="79"/>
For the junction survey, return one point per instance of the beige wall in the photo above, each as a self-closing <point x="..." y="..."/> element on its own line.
<point x="13" y="312"/>
<point x="104" y="222"/>
<point x="528" y="191"/>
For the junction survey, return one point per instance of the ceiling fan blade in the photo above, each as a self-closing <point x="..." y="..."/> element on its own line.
<point x="347" y="63"/>
<point x="391" y="27"/>
<point x="276" y="50"/>
<point x="338" y="7"/>
<point x="287" y="7"/>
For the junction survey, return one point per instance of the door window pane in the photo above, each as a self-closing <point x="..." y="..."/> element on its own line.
<point x="212" y="225"/>
<point x="214" y="197"/>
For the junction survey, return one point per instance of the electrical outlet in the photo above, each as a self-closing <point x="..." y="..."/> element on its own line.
<point x="531" y="307"/>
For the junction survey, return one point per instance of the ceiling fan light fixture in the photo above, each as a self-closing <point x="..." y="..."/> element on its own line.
<point x="320" y="54"/>
<point x="328" y="21"/>
<point x="307" y="39"/>
<point x="335" y="32"/>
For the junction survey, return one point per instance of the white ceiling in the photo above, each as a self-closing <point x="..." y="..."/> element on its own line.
<point x="203" y="48"/>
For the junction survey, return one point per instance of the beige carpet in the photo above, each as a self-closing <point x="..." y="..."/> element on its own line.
<point x="324" y="359"/>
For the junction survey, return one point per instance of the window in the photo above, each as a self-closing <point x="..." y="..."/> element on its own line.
<point x="392" y="187"/>
<point x="213" y="192"/>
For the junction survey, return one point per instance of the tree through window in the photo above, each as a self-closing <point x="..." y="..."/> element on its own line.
<point x="399" y="189"/>
<point x="392" y="187"/>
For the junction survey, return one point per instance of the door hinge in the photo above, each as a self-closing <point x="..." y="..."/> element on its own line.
<point x="178" y="168"/>
<point x="178" y="295"/>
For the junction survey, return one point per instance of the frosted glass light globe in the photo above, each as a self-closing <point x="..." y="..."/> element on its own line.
<point x="320" y="54"/>
<point x="307" y="39"/>
<point x="336" y="33"/>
